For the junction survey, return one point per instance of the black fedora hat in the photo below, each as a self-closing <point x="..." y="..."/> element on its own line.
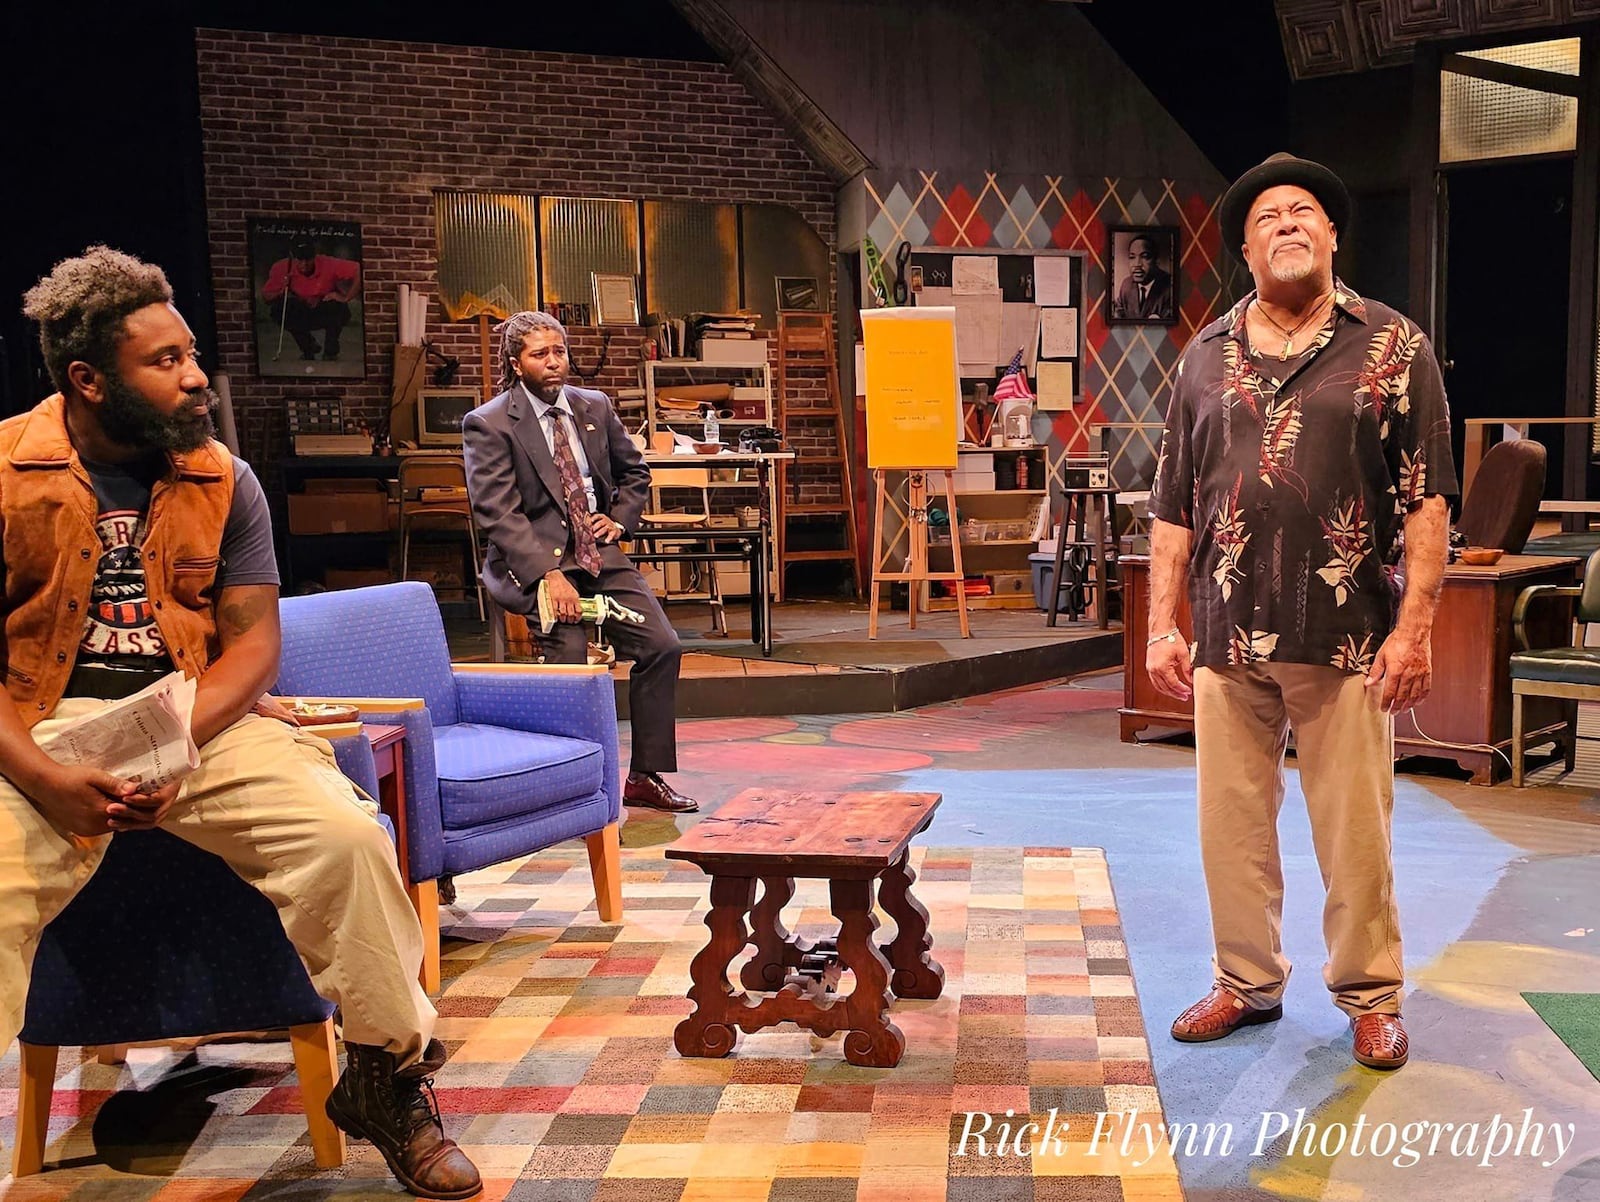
<point x="1282" y="168"/>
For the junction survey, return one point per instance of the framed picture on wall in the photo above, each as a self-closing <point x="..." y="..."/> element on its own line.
<point x="1143" y="261"/>
<point x="310" y="321"/>
<point x="798" y="293"/>
<point x="616" y="299"/>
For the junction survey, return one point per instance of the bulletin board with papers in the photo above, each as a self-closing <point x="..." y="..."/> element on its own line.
<point x="1005" y="301"/>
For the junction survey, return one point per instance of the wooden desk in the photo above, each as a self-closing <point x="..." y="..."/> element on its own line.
<point x="1469" y="709"/>
<point x="851" y="840"/>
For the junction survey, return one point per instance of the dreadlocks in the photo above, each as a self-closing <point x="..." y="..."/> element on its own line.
<point x="513" y="330"/>
<point x="82" y="304"/>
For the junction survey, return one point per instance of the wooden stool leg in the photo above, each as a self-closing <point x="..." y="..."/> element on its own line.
<point x="916" y="973"/>
<point x="34" y="1089"/>
<point x="873" y="1041"/>
<point x="316" y="1063"/>
<point x="710" y="1030"/>
<point x="777" y="951"/>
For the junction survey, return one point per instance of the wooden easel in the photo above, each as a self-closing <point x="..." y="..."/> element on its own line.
<point x="489" y="375"/>
<point x="916" y="533"/>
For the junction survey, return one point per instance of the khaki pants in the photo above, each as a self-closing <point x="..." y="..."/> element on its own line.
<point x="269" y="800"/>
<point x="1344" y="747"/>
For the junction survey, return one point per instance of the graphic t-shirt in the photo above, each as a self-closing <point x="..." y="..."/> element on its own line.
<point x="120" y="627"/>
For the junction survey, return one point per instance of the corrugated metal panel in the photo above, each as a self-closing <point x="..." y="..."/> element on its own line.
<point x="488" y="258"/>
<point x="580" y="236"/>
<point x="691" y="255"/>
<point x="1484" y="119"/>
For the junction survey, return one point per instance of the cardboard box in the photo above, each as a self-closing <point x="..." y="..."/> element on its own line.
<point x="440" y="565"/>
<point x="1010" y="584"/>
<point x="320" y="512"/>
<point x="340" y="578"/>
<point x="739" y="352"/>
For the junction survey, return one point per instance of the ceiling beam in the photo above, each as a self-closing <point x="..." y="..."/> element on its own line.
<point x="1518" y="77"/>
<point x="828" y="145"/>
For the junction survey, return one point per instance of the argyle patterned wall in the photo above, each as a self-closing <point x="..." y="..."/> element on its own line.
<point x="1127" y="370"/>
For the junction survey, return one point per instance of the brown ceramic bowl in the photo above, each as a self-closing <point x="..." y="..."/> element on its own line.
<point x="312" y="713"/>
<point x="1481" y="557"/>
<point x="707" y="448"/>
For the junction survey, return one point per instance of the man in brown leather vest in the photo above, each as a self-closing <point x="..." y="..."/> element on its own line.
<point x="132" y="545"/>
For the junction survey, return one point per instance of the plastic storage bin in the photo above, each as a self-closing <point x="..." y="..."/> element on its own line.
<point x="1044" y="568"/>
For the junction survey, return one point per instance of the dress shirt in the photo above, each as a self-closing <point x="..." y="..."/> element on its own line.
<point x="548" y="416"/>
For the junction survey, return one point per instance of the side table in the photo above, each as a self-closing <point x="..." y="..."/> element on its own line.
<point x="851" y="840"/>
<point x="388" y="757"/>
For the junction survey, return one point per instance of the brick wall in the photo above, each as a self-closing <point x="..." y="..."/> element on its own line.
<point x="364" y="130"/>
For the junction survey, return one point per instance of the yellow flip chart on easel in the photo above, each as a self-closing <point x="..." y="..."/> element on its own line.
<point x="912" y="388"/>
<point x="913" y="396"/>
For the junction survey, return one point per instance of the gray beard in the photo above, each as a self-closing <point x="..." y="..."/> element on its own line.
<point x="1292" y="275"/>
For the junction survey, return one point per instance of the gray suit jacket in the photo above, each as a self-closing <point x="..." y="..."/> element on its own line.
<point x="516" y="488"/>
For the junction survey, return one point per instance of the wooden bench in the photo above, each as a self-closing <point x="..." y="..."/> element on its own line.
<point x="850" y="840"/>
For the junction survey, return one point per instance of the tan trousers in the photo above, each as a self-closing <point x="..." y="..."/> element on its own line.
<point x="270" y="801"/>
<point x="1344" y="748"/>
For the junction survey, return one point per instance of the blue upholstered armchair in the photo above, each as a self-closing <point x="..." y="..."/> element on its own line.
<point x="167" y="942"/>
<point x="500" y="759"/>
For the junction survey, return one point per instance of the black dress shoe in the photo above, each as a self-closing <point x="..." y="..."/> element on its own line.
<point x="648" y="789"/>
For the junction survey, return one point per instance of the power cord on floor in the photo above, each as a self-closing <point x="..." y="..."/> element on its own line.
<point x="1427" y="738"/>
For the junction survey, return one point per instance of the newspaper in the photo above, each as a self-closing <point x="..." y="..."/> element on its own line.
<point x="143" y="738"/>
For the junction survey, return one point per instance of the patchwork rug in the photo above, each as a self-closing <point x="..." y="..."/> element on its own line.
<point x="564" y="1086"/>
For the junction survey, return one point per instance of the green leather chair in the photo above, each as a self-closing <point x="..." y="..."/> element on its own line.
<point x="1570" y="671"/>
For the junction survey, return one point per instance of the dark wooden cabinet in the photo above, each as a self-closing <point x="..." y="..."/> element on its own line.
<point x="1142" y="705"/>
<point x="1467" y="717"/>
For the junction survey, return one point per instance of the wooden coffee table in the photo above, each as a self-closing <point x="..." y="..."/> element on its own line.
<point x="850" y="840"/>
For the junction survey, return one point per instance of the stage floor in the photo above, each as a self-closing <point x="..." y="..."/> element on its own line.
<point x="823" y="663"/>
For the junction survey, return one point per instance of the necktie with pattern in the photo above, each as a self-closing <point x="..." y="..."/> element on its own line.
<point x="584" y="547"/>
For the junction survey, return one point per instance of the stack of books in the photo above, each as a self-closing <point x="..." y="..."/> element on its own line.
<point x="727" y="338"/>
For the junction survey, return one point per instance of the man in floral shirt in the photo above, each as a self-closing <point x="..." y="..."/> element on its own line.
<point x="1308" y="432"/>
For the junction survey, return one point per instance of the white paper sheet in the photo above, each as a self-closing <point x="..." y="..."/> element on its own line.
<point x="974" y="273"/>
<point x="1019" y="330"/>
<point x="1052" y="280"/>
<point x="978" y="329"/>
<point x="1059" y="333"/>
<point x="1055" y="385"/>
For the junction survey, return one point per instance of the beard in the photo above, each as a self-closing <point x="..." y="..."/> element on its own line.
<point x="1292" y="272"/>
<point x="127" y="418"/>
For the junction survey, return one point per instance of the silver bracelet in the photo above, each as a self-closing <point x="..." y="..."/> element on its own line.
<point x="1172" y="636"/>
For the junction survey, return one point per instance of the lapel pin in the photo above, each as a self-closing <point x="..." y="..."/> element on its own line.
<point x="588" y="427"/>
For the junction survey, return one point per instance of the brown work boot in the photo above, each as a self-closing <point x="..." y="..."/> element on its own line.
<point x="1219" y="1014"/>
<point x="396" y="1110"/>
<point x="1379" y="1040"/>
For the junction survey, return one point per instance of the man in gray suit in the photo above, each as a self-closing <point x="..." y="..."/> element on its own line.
<point x="556" y="483"/>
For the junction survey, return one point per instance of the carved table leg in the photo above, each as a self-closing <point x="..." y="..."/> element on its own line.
<point x="777" y="951"/>
<point x="710" y="1028"/>
<point x="873" y="1041"/>
<point x="916" y="973"/>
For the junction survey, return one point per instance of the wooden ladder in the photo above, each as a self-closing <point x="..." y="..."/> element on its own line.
<point x="805" y="340"/>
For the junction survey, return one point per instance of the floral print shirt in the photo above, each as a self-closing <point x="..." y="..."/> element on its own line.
<point x="1294" y="478"/>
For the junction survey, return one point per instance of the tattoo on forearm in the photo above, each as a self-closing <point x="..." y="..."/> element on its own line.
<point x="240" y="616"/>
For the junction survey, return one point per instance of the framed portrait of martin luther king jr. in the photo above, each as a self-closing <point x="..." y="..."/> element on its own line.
<point x="1144" y="275"/>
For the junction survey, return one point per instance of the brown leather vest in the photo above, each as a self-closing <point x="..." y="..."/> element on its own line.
<point x="50" y="548"/>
